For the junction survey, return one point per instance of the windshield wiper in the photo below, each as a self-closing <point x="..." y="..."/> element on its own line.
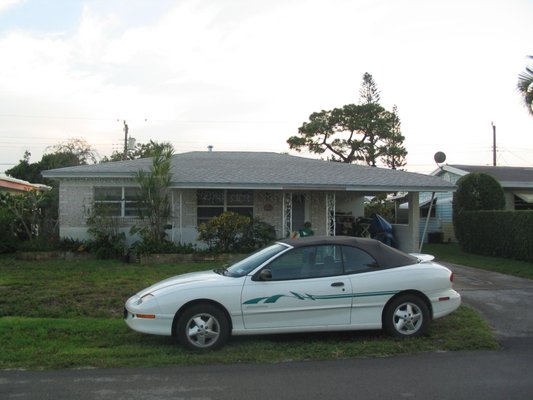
<point x="221" y="271"/>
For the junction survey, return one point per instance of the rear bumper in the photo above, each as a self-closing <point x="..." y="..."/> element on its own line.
<point x="445" y="303"/>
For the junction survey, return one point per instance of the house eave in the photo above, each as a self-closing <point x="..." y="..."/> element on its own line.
<point x="516" y="185"/>
<point x="264" y="186"/>
<point x="305" y="187"/>
<point x="391" y="189"/>
<point x="104" y="175"/>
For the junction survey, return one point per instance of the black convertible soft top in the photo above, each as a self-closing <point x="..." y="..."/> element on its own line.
<point x="386" y="256"/>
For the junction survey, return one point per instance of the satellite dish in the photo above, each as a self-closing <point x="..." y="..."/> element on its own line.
<point x="439" y="157"/>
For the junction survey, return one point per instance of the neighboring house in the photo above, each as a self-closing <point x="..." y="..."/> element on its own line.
<point x="282" y="190"/>
<point x="517" y="184"/>
<point x="14" y="186"/>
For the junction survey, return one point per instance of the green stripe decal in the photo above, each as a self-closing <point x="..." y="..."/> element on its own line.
<point x="369" y="294"/>
<point x="314" y="297"/>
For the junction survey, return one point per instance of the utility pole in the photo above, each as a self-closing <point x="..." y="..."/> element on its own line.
<point x="493" y="144"/>
<point x="125" y="155"/>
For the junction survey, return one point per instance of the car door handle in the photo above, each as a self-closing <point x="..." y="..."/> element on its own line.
<point x="337" y="284"/>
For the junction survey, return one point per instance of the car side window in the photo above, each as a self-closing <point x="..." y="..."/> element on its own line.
<point x="288" y="265"/>
<point x="307" y="262"/>
<point x="356" y="260"/>
<point x="327" y="262"/>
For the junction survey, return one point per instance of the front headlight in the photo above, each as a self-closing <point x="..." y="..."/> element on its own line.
<point x="145" y="298"/>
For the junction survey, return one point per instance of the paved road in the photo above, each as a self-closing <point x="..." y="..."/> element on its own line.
<point x="483" y="375"/>
<point x="506" y="302"/>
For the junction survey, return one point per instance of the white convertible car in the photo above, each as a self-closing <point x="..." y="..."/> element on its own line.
<point x="299" y="285"/>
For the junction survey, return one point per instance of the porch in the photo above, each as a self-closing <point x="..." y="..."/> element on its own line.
<point x="330" y="213"/>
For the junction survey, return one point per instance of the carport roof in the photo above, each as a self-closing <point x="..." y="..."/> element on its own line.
<point x="263" y="170"/>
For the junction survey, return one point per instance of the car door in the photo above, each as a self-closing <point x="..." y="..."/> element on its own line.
<point x="372" y="287"/>
<point x="306" y="288"/>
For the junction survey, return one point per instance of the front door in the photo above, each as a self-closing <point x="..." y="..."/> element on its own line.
<point x="298" y="212"/>
<point x="307" y="289"/>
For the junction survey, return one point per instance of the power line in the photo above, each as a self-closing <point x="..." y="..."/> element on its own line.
<point x="54" y="117"/>
<point x="183" y="121"/>
<point x="528" y="162"/>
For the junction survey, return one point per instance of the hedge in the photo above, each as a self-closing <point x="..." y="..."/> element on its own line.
<point x="507" y="234"/>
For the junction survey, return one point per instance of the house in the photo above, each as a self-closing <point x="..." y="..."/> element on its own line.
<point x="517" y="184"/>
<point x="15" y="186"/>
<point x="282" y="190"/>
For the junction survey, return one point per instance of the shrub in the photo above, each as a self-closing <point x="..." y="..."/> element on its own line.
<point x="108" y="241"/>
<point x="28" y="209"/>
<point x="37" y="244"/>
<point x="257" y="235"/>
<point x="75" y="245"/>
<point x="506" y="234"/>
<point x="8" y="239"/>
<point x="160" y="247"/>
<point x="232" y="232"/>
<point x="475" y="192"/>
<point x="224" y="232"/>
<point x="43" y="243"/>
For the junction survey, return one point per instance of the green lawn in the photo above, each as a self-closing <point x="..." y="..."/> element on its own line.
<point x="68" y="314"/>
<point x="451" y="252"/>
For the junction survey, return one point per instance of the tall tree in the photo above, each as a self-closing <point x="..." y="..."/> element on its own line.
<point x="67" y="154"/>
<point x="363" y="132"/>
<point x="141" y="150"/>
<point x="154" y="202"/>
<point x="25" y="170"/>
<point x="28" y="211"/>
<point x="393" y="153"/>
<point x="77" y="147"/>
<point x="525" y="87"/>
<point x="368" y="92"/>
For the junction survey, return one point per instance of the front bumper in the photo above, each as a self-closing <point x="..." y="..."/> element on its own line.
<point x="147" y="319"/>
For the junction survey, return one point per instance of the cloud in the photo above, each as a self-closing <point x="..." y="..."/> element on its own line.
<point x="5" y="4"/>
<point x="245" y="74"/>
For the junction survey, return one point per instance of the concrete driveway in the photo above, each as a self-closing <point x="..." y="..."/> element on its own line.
<point x="505" y="301"/>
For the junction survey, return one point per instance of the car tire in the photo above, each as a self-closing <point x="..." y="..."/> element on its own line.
<point x="406" y="316"/>
<point x="203" y="327"/>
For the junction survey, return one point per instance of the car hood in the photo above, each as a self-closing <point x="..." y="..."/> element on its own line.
<point x="185" y="279"/>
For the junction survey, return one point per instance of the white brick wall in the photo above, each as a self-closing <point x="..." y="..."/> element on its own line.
<point x="76" y="198"/>
<point x="75" y="201"/>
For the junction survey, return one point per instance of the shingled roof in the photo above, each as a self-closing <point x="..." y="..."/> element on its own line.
<point x="509" y="177"/>
<point x="262" y="170"/>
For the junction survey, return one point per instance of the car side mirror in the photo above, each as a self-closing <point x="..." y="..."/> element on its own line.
<point x="265" y="274"/>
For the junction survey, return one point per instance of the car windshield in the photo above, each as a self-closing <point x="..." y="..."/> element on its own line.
<point x="253" y="261"/>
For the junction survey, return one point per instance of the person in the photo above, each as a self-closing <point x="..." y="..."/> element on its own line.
<point x="306" y="231"/>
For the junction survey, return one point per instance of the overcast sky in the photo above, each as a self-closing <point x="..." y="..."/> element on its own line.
<point x="245" y="74"/>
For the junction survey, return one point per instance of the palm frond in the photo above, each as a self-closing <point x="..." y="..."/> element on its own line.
<point x="525" y="87"/>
